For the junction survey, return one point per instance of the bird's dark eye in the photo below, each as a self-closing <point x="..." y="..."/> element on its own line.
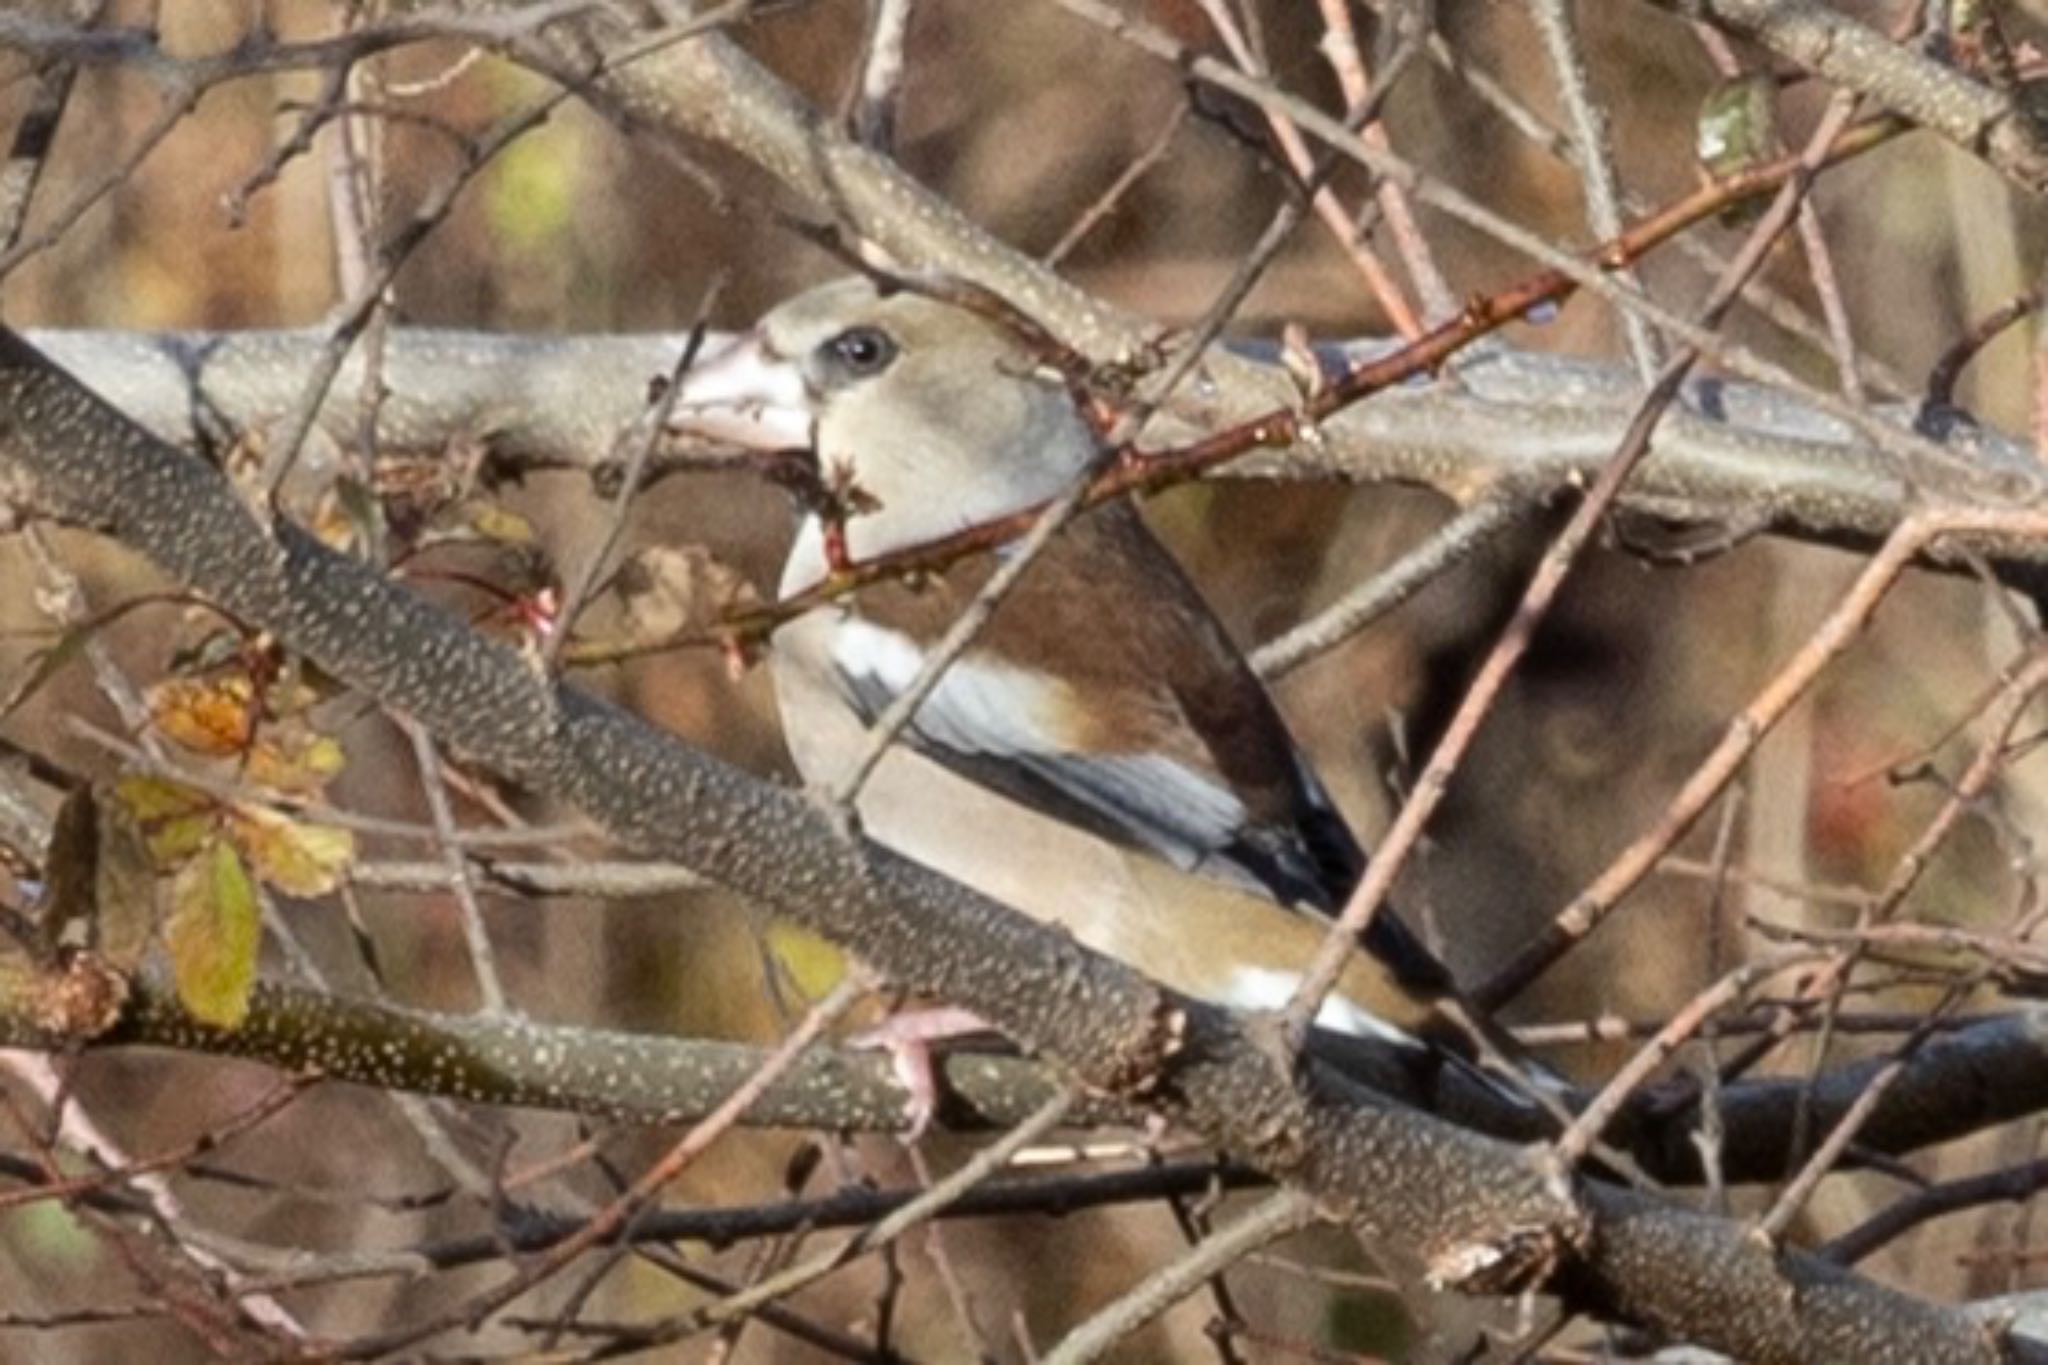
<point x="862" y="350"/>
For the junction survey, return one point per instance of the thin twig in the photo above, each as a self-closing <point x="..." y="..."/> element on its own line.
<point x="1738" y="741"/>
<point x="2014" y="1184"/>
<point x="29" y="151"/>
<point x="356" y="310"/>
<point x="882" y="69"/>
<point x="1482" y="217"/>
<point x="1281" y="1215"/>
<point x="1759" y="294"/>
<point x="1572" y="1144"/>
<point x="1828" y="1154"/>
<point x="1565" y="50"/>
<point x="1543" y="588"/>
<point x="77" y="1130"/>
<point x="608" y="1221"/>
<point x="115" y="1169"/>
<point x="483" y="957"/>
<point x="1939" y="394"/>
<point x="641" y="441"/>
<point x="1151" y="154"/>
<point x="879" y="1234"/>
<point x="180" y="98"/>
<point x="1339" y="46"/>
<point x="1444" y="549"/>
<point x="1385" y="292"/>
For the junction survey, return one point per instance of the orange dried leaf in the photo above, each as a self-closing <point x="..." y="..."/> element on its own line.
<point x="215" y="717"/>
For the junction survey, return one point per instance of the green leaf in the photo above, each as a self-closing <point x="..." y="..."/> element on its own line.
<point x="177" y="820"/>
<point x="215" y="717"/>
<point x="213" y="933"/>
<point x="809" y="963"/>
<point x="1737" y="130"/>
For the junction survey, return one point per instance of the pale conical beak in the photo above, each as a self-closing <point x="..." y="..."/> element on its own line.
<point x="745" y="395"/>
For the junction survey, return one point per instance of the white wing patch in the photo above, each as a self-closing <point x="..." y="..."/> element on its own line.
<point x="1270" y="988"/>
<point x="991" y="710"/>
<point x="977" y="707"/>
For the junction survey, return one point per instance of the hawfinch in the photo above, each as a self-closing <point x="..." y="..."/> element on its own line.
<point x="1102" y="756"/>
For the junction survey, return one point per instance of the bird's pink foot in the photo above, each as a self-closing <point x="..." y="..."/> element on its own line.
<point x="907" y="1038"/>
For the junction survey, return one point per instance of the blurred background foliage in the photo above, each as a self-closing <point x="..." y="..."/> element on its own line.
<point x="1023" y="116"/>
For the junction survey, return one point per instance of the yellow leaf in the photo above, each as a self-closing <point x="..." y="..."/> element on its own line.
<point x="493" y="521"/>
<point x="175" y="820"/>
<point x="533" y="192"/>
<point x="213" y="933"/>
<point x="297" y="858"/>
<point x="288" y="696"/>
<point x="808" y="962"/>
<point x="214" y="718"/>
<point x="296" y="762"/>
<point x="159" y="798"/>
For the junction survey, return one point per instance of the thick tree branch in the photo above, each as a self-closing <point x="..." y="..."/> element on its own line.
<point x="1520" y="427"/>
<point x="1985" y="1073"/>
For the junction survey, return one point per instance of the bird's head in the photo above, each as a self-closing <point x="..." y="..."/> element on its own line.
<point x="925" y="417"/>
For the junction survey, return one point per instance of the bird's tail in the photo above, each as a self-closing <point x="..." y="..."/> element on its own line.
<point x="1498" y="1062"/>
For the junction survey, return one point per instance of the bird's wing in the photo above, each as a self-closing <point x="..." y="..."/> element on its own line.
<point x="1016" y="730"/>
<point x="1149" y="726"/>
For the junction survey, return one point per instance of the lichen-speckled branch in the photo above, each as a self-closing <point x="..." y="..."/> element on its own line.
<point x="1986" y="1073"/>
<point x="1513" y="426"/>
